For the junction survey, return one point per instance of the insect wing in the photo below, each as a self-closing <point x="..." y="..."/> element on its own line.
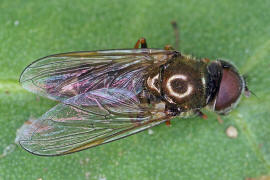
<point x="62" y="76"/>
<point x="88" y="120"/>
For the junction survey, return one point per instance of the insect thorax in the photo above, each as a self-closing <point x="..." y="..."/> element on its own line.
<point x="181" y="82"/>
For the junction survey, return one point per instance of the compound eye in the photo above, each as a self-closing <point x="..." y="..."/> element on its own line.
<point x="230" y="90"/>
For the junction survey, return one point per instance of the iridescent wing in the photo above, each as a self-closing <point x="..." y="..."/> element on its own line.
<point x="87" y="120"/>
<point x="62" y="76"/>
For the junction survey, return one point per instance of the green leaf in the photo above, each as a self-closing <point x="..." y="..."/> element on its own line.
<point x="191" y="148"/>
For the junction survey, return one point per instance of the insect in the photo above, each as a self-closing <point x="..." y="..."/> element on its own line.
<point x="110" y="94"/>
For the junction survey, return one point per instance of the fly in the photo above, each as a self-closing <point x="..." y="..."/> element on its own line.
<point x="110" y="94"/>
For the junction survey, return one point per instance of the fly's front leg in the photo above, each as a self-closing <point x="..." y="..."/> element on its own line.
<point x="142" y="42"/>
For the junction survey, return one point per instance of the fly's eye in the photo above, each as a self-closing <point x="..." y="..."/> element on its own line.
<point x="230" y="89"/>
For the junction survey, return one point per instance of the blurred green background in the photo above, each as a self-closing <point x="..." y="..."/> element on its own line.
<point x="191" y="148"/>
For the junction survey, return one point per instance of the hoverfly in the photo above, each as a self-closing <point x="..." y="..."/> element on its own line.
<point x="110" y="94"/>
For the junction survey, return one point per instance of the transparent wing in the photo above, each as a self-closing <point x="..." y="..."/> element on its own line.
<point x="88" y="120"/>
<point x="66" y="75"/>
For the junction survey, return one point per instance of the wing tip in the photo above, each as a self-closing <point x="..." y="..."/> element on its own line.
<point x="24" y="134"/>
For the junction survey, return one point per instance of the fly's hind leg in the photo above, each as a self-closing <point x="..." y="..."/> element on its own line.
<point x="142" y="42"/>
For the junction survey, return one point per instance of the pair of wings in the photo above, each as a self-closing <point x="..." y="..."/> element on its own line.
<point x="98" y="91"/>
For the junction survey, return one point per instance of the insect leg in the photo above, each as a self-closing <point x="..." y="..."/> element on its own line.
<point x="172" y="110"/>
<point x="168" y="123"/>
<point x="168" y="47"/>
<point x="206" y="60"/>
<point x="201" y="114"/>
<point x="142" y="42"/>
<point x="219" y="119"/>
<point x="176" y="34"/>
